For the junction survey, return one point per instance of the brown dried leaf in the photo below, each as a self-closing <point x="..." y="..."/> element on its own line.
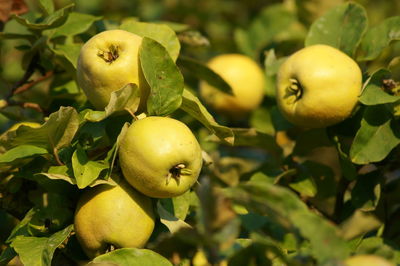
<point x="9" y="7"/>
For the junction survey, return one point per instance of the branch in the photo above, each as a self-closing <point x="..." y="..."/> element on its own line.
<point x="26" y="86"/>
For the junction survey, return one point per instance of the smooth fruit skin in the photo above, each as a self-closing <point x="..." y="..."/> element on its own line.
<point x="118" y="216"/>
<point x="367" y="260"/>
<point x="154" y="148"/>
<point x="246" y="79"/>
<point x="107" y="62"/>
<point x="318" y="86"/>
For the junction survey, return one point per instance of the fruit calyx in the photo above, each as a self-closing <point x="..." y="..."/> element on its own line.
<point x="111" y="55"/>
<point x="176" y="172"/>
<point x="295" y="89"/>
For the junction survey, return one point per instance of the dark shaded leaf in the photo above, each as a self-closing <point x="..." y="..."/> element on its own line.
<point x="52" y="21"/>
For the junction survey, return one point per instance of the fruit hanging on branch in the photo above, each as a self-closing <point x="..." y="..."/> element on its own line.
<point x="110" y="217"/>
<point x="318" y="86"/>
<point x="107" y="62"/>
<point x="246" y="79"/>
<point x="160" y="157"/>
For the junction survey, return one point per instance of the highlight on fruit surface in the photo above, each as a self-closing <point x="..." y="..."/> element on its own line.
<point x="246" y="79"/>
<point x="160" y="157"/>
<point x="318" y="86"/>
<point x="107" y="62"/>
<point x="109" y="217"/>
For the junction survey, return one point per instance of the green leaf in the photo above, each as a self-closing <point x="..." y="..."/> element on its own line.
<point x="243" y="42"/>
<point x="193" y="106"/>
<point x="304" y="184"/>
<point x="378" y="38"/>
<point x="181" y="205"/>
<point x="131" y="257"/>
<point x="261" y="120"/>
<point x="85" y="171"/>
<point x="349" y="170"/>
<point x="69" y="52"/>
<point x="367" y="191"/>
<point x="266" y="29"/>
<point x="126" y="98"/>
<point x="47" y="6"/>
<point x="170" y="221"/>
<point x="377" y="136"/>
<point x="163" y="76"/>
<point x="62" y="173"/>
<point x="22" y="151"/>
<point x="178" y="206"/>
<point x="22" y="227"/>
<point x="161" y="33"/>
<point x="52" y="21"/>
<point x="7" y="255"/>
<point x="358" y="224"/>
<point x="76" y="23"/>
<point x="342" y="27"/>
<point x="272" y="63"/>
<point x="38" y="251"/>
<point x="275" y="201"/>
<point x="205" y="73"/>
<point x="11" y="36"/>
<point x="57" y="132"/>
<point x="254" y="138"/>
<point x="373" y="92"/>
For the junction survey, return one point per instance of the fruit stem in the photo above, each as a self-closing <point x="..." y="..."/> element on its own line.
<point x="110" y="55"/>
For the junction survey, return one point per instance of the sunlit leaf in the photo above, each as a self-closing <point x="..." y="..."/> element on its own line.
<point x="47" y="6"/>
<point x="126" y="98"/>
<point x="163" y="76"/>
<point x="193" y="106"/>
<point x="170" y="221"/>
<point x="21" y="151"/>
<point x="378" y="135"/>
<point x="161" y="33"/>
<point x="55" y="133"/>
<point x="131" y="257"/>
<point x="76" y="23"/>
<point x="374" y="93"/>
<point x="38" y="251"/>
<point x="85" y="171"/>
